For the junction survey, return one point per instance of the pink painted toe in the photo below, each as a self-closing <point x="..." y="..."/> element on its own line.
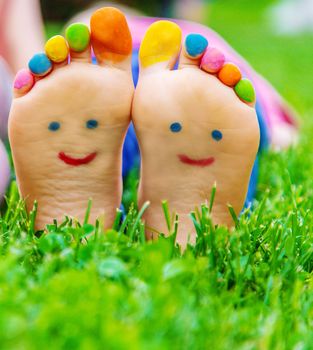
<point x="213" y="60"/>
<point x="24" y="81"/>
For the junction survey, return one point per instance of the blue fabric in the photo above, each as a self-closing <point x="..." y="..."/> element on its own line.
<point x="264" y="142"/>
<point x="135" y="66"/>
<point x="131" y="153"/>
<point x="264" y="138"/>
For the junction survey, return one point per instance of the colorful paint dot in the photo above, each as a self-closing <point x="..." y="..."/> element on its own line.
<point x="91" y="124"/>
<point x="195" y="44"/>
<point x="175" y="127"/>
<point x="40" y="64"/>
<point x="23" y="79"/>
<point x="213" y="60"/>
<point x="245" y="90"/>
<point x="78" y="36"/>
<point x="57" y="49"/>
<point x="217" y="135"/>
<point x="230" y="74"/>
<point x="54" y="126"/>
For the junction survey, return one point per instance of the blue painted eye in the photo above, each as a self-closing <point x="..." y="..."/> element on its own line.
<point x="91" y="124"/>
<point x="217" y="135"/>
<point x="54" y="126"/>
<point x="175" y="127"/>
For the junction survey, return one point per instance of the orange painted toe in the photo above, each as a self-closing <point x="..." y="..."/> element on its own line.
<point x="110" y="35"/>
<point x="230" y="74"/>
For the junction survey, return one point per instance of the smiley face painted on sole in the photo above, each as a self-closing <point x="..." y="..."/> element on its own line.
<point x="216" y="135"/>
<point x="91" y="124"/>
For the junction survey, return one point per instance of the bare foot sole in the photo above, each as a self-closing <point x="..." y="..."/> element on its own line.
<point x="196" y="126"/>
<point x="68" y="121"/>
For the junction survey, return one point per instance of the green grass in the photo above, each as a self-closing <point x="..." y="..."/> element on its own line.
<point x="250" y="288"/>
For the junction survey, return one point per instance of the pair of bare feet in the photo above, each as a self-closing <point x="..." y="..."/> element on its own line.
<point x="67" y="128"/>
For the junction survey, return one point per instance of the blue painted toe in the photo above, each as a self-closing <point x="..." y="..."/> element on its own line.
<point x="195" y="44"/>
<point x="40" y="64"/>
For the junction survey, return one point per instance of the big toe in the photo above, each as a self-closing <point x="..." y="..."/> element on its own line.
<point x="110" y="37"/>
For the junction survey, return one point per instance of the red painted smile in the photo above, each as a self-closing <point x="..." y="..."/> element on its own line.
<point x="77" y="161"/>
<point x="198" y="162"/>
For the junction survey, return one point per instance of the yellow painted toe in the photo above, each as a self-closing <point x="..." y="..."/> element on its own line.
<point x="162" y="42"/>
<point x="57" y="49"/>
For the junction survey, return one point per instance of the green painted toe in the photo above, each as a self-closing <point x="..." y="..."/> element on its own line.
<point x="78" y="36"/>
<point x="245" y="90"/>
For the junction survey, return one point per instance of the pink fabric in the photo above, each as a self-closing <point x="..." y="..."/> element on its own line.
<point x="276" y="110"/>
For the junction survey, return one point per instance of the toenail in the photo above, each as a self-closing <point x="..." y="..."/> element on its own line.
<point x="56" y="49"/>
<point x="217" y="135"/>
<point x="195" y="44"/>
<point x="213" y="60"/>
<point x="229" y="74"/>
<point x="40" y="64"/>
<point x="91" y="124"/>
<point x="175" y="127"/>
<point x="245" y="90"/>
<point x="23" y="78"/>
<point x="54" y="126"/>
<point x="78" y="36"/>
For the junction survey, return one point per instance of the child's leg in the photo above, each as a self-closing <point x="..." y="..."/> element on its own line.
<point x="23" y="33"/>
<point x="4" y="170"/>
<point x="5" y="97"/>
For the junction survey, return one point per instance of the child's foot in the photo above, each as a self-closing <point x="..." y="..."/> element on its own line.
<point x="196" y="126"/>
<point x="67" y="129"/>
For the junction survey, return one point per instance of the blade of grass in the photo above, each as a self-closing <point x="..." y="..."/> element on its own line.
<point x="87" y="215"/>
<point x="142" y="210"/>
<point x="166" y="212"/>
<point x="213" y="192"/>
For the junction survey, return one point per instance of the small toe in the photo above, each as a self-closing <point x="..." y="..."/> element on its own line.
<point x="245" y="91"/>
<point x="212" y="61"/>
<point x="56" y="49"/>
<point x="78" y="38"/>
<point x="40" y="65"/>
<point x="194" y="48"/>
<point x="23" y="82"/>
<point x="229" y="75"/>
